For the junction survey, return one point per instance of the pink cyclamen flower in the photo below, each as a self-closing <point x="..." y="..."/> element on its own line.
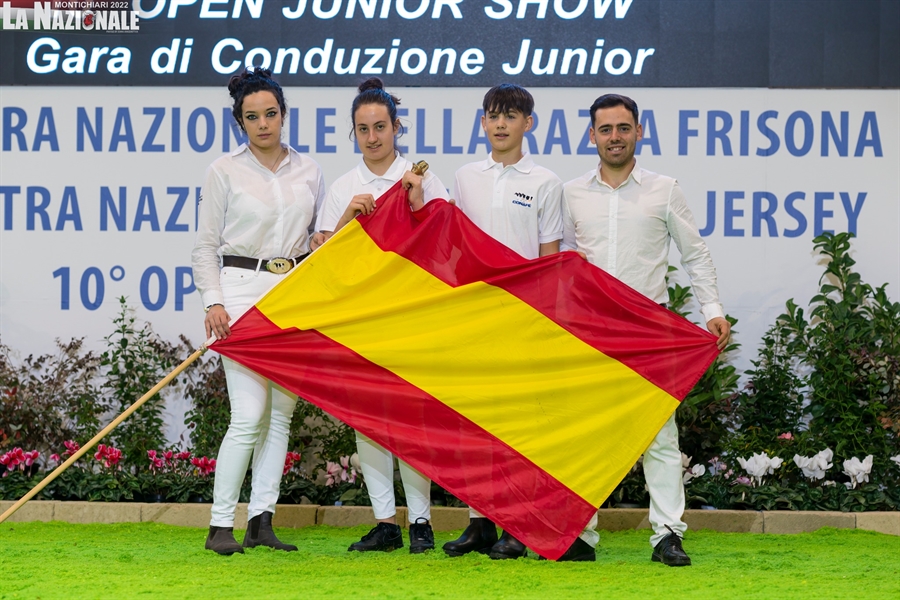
<point x="71" y="447"/>
<point x="55" y="458"/>
<point x="30" y="457"/>
<point x="289" y="460"/>
<point x="204" y="465"/>
<point x="743" y="479"/>
<point x="786" y="436"/>
<point x="183" y="455"/>
<point x="13" y="459"/>
<point x="333" y="473"/>
<point x="347" y="472"/>
<point x="108" y="455"/>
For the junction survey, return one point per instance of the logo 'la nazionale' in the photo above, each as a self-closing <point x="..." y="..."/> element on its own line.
<point x="100" y="16"/>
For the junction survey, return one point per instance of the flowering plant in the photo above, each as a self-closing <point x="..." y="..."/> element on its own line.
<point x="108" y="456"/>
<point x="18" y="459"/>
<point x="176" y="476"/>
<point x="335" y="472"/>
<point x="690" y="472"/>
<point x="814" y="467"/>
<point x="858" y="471"/>
<point x="759" y="465"/>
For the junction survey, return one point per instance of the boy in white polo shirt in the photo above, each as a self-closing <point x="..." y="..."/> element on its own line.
<point x="508" y="196"/>
<point x="519" y="204"/>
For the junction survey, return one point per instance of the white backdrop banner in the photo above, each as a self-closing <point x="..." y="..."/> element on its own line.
<point x="99" y="187"/>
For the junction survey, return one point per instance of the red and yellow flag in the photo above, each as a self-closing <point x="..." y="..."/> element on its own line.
<point x="527" y="388"/>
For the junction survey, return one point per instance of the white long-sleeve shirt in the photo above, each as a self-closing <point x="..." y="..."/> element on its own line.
<point x="247" y="210"/>
<point x="626" y="232"/>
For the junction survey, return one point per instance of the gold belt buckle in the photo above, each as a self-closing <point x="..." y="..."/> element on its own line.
<point x="279" y="265"/>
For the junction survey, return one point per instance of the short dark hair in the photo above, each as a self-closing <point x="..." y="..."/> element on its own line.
<point x="371" y="91"/>
<point x="506" y="97"/>
<point x="249" y="82"/>
<point x="611" y="100"/>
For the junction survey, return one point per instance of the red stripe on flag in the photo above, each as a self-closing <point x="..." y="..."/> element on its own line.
<point x="651" y="340"/>
<point x="452" y="450"/>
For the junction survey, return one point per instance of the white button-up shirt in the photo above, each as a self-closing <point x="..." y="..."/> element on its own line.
<point x="626" y="232"/>
<point x="247" y="210"/>
<point x="518" y="205"/>
<point x="363" y="181"/>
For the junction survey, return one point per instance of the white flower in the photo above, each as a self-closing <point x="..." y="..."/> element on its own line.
<point x="896" y="459"/>
<point x="685" y="461"/>
<point x="695" y="471"/>
<point x="759" y="465"/>
<point x="814" y="467"/>
<point x="857" y="471"/>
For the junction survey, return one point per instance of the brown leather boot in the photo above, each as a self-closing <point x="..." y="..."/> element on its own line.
<point x="259" y="533"/>
<point x="221" y="541"/>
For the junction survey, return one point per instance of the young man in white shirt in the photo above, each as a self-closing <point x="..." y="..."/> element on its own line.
<point x="517" y="203"/>
<point x="622" y="218"/>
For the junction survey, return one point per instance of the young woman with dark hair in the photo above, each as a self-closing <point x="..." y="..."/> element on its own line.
<point x="258" y="207"/>
<point x="375" y="128"/>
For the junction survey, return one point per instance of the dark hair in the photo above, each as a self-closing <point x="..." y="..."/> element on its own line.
<point x="249" y="82"/>
<point x="610" y="100"/>
<point x="371" y="91"/>
<point x="508" y="96"/>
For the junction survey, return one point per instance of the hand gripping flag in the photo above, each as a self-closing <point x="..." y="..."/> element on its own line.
<point x="527" y="388"/>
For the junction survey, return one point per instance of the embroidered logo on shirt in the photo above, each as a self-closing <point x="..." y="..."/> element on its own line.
<point x="523" y="199"/>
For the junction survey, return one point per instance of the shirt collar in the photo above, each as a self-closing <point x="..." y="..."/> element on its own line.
<point x="366" y="176"/>
<point x="635" y="174"/>
<point x="525" y="164"/>
<point x="245" y="148"/>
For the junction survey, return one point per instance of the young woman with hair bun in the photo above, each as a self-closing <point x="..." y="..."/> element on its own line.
<point x="259" y="204"/>
<point x="375" y="128"/>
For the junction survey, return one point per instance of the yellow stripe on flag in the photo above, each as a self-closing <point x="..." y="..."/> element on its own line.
<point x="466" y="346"/>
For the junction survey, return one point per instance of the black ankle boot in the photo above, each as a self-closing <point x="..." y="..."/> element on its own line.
<point x="507" y="547"/>
<point x="383" y="537"/>
<point x="421" y="537"/>
<point x="259" y="533"/>
<point x="221" y="540"/>
<point x="479" y="536"/>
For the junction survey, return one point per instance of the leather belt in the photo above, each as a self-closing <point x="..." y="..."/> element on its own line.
<point x="273" y="265"/>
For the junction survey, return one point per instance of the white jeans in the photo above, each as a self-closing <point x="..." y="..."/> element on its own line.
<point x="260" y="416"/>
<point x="377" y="466"/>
<point x="663" y="472"/>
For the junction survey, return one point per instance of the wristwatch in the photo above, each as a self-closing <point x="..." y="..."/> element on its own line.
<point x="211" y="305"/>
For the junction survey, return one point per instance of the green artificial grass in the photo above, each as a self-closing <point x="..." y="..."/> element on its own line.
<point x="147" y="560"/>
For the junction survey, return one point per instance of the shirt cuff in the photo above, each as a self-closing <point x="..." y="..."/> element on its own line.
<point x="211" y="297"/>
<point x="711" y="311"/>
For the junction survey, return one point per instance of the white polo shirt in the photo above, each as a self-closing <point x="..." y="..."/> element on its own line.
<point x="247" y="210"/>
<point x="626" y="232"/>
<point x="518" y="205"/>
<point x="363" y="181"/>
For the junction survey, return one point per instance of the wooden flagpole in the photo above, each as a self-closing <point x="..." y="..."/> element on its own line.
<point x="93" y="441"/>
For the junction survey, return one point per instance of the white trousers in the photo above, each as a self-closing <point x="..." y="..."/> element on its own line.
<point x="260" y="417"/>
<point x="663" y="472"/>
<point x="377" y="466"/>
